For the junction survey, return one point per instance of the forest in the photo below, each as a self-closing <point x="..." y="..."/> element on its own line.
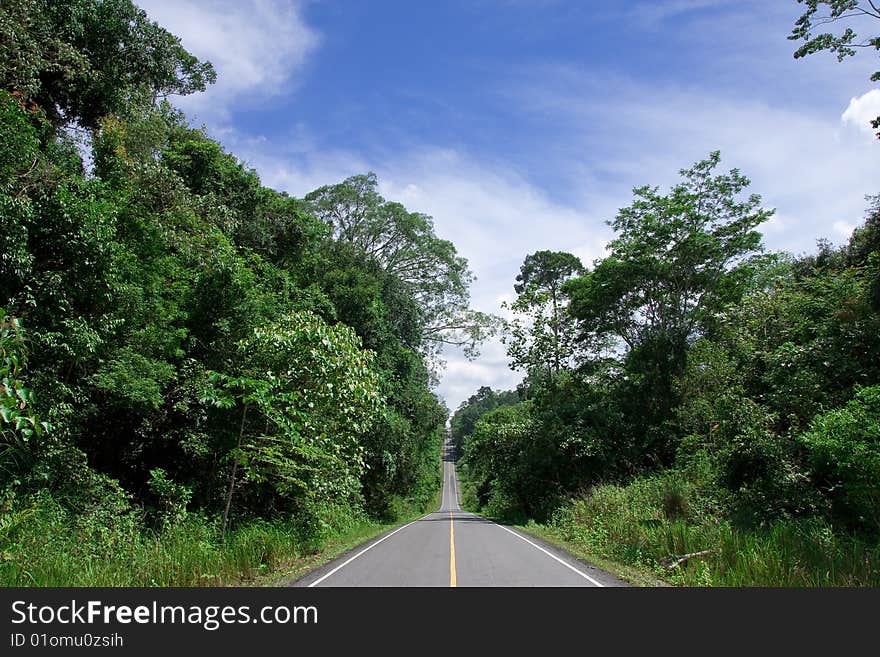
<point x="691" y="394"/>
<point x="203" y="379"/>
<point x="697" y="410"/>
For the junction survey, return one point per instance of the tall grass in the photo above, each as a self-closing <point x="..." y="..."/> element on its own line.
<point x="43" y="545"/>
<point x="655" y="520"/>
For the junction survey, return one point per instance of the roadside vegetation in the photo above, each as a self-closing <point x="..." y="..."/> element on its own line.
<point x="201" y="378"/>
<point x="696" y="409"/>
<point x="695" y="406"/>
<point x="204" y="381"/>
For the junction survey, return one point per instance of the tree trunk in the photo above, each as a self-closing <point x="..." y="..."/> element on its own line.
<point x="555" y="332"/>
<point x="234" y="472"/>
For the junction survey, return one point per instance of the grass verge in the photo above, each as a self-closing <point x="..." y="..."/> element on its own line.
<point x="671" y="528"/>
<point x="628" y="573"/>
<point x="46" y="545"/>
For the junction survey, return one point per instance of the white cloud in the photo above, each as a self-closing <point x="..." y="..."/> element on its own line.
<point x="462" y="378"/>
<point x="862" y="110"/>
<point x="799" y="160"/>
<point x="301" y="174"/>
<point x="493" y="215"/>
<point x="652" y="13"/>
<point x="256" y="46"/>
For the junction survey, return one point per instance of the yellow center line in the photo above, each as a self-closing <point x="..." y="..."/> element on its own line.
<point x="451" y="551"/>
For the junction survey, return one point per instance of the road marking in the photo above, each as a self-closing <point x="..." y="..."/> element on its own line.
<point x="366" y="549"/>
<point x="452" y="577"/>
<point x="553" y="556"/>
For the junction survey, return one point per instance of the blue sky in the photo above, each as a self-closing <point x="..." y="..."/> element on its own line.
<point x="522" y="125"/>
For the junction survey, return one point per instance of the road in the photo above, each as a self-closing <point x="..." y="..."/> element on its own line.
<point x="452" y="547"/>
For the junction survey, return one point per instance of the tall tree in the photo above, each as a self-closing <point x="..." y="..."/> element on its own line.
<point x="80" y="60"/>
<point x="671" y="260"/>
<point x="404" y="244"/>
<point x="542" y="338"/>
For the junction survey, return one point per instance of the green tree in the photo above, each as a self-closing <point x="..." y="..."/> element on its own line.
<point x="843" y="44"/>
<point x="542" y="339"/>
<point x="476" y="406"/>
<point x="82" y="60"/>
<point x="307" y="395"/>
<point x="671" y="262"/>
<point x="404" y="244"/>
<point x="498" y="456"/>
<point x="844" y="454"/>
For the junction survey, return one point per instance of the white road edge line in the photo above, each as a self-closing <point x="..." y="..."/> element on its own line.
<point x="366" y="549"/>
<point x="553" y="556"/>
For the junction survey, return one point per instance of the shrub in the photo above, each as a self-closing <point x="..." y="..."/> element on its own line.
<point x="844" y="455"/>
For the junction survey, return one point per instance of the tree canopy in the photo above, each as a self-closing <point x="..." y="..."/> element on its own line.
<point x="540" y="340"/>
<point x="844" y="43"/>
<point x="87" y="59"/>
<point x="404" y="245"/>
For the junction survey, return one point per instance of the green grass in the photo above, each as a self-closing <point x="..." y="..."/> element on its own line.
<point x="637" y="530"/>
<point x="43" y="545"/>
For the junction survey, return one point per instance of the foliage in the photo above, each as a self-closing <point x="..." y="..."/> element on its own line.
<point x="46" y="545"/>
<point x="632" y="525"/>
<point x="82" y="60"/>
<point x="403" y="243"/>
<point x="671" y="256"/>
<point x="465" y="418"/>
<point x="843" y="447"/>
<point x="494" y="461"/>
<point x="313" y="393"/>
<point x="541" y="340"/>
<point x="172" y="498"/>
<point x="820" y="13"/>
<point x="18" y="424"/>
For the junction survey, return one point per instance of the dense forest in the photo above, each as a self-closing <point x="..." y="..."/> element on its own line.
<point x="200" y="376"/>
<point x="695" y="407"/>
<point x="689" y="389"/>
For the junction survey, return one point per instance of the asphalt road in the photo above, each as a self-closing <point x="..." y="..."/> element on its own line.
<point x="452" y="547"/>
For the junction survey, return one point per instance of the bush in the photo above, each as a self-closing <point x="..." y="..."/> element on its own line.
<point x="844" y="455"/>
<point x="632" y="525"/>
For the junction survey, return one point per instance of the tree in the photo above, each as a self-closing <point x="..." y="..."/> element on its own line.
<point x="404" y="244"/>
<point x="476" y="406"/>
<point x="81" y="60"/>
<point x="844" y="453"/>
<point x="544" y="342"/>
<point x="843" y="44"/>
<point x="673" y="256"/>
<point x="308" y="393"/>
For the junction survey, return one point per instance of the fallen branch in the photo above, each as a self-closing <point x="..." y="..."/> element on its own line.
<point x="674" y="562"/>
